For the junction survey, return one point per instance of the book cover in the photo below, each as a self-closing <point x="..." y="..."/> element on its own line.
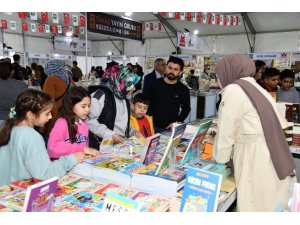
<point x="116" y="163"/>
<point x="6" y="190"/>
<point x="117" y="203"/>
<point x="194" y="146"/>
<point x="85" y="185"/>
<point x="40" y="197"/>
<point x="151" y="203"/>
<point x="15" y="200"/>
<point x="25" y="183"/>
<point x="148" y="154"/>
<point x="201" y="191"/>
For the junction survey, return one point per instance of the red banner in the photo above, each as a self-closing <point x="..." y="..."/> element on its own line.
<point x="77" y="31"/>
<point x="163" y="13"/>
<point x="41" y="28"/>
<point x="4" y="24"/>
<point x="67" y="19"/>
<point x="151" y="26"/>
<point x="177" y="15"/>
<point x="82" y="21"/>
<point x="189" y="16"/>
<point x="199" y="17"/>
<point x="25" y="26"/>
<point x="218" y="19"/>
<point x="53" y="29"/>
<point x="22" y="15"/>
<point x="209" y="18"/>
<point x="44" y="16"/>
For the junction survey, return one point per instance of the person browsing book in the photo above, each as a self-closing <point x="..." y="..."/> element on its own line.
<point x="270" y="79"/>
<point x="23" y="153"/>
<point x="109" y="116"/>
<point x="70" y="131"/>
<point x="250" y="132"/>
<point x="138" y="118"/>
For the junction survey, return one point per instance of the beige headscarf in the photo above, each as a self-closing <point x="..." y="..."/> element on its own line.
<point x="229" y="70"/>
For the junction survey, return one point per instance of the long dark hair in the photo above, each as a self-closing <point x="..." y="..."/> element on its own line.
<point x="72" y="97"/>
<point x="30" y="100"/>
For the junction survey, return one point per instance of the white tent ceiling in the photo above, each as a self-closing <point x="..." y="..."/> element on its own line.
<point x="263" y="22"/>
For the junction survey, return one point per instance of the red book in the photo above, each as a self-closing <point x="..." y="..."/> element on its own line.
<point x="25" y="183"/>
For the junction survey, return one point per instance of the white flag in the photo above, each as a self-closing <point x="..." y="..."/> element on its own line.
<point x="221" y="20"/>
<point x="194" y="17"/>
<point x="47" y="28"/>
<point x="228" y="21"/>
<point x="204" y="18"/>
<point x="147" y="26"/>
<point x="13" y="25"/>
<point x="182" y="16"/>
<point x="59" y="30"/>
<point x="81" y="30"/>
<point x="75" y="20"/>
<point x="213" y="18"/>
<point x="33" y="27"/>
<point x="240" y="21"/>
<point x="171" y="15"/>
<point x="8" y="13"/>
<point x="33" y="16"/>
<point x="55" y="18"/>
<point x="71" y="29"/>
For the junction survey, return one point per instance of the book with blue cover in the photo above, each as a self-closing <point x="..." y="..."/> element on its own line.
<point x="201" y="191"/>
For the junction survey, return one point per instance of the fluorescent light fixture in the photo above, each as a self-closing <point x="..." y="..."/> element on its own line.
<point x="128" y="14"/>
<point x="109" y="53"/>
<point x="69" y="34"/>
<point x="196" y="32"/>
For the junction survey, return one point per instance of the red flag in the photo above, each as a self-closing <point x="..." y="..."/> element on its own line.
<point x="209" y="18"/>
<point x="77" y="31"/>
<point x="53" y="29"/>
<point x="4" y="24"/>
<point x="44" y="17"/>
<point x="163" y="13"/>
<point x="225" y="20"/>
<point x="41" y="28"/>
<point x="66" y="29"/>
<point x="177" y="15"/>
<point x="159" y="26"/>
<point x="67" y="19"/>
<point x="218" y="19"/>
<point x="82" y="21"/>
<point x="22" y="15"/>
<point x="236" y="21"/>
<point x="231" y="20"/>
<point x="199" y="17"/>
<point x="151" y="26"/>
<point x="25" y="26"/>
<point x="189" y="16"/>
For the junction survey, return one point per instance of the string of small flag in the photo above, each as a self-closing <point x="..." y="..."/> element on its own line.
<point x="78" y="23"/>
<point x="196" y="17"/>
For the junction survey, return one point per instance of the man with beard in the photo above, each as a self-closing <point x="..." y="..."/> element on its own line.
<point x="169" y="98"/>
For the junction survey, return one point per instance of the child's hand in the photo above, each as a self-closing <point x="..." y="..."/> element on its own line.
<point x="117" y="139"/>
<point x="138" y="134"/>
<point x="79" y="157"/>
<point x="91" y="151"/>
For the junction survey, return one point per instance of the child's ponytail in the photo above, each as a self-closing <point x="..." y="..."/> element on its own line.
<point x="5" y="131"/>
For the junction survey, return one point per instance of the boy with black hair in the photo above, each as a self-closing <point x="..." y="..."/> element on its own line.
<point x="287" y="93"/>
<point x="270" y="79"/>
<point x="138" y="118"/>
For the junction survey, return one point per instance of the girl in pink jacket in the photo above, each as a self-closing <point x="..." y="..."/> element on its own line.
<point x="70" y="131"/>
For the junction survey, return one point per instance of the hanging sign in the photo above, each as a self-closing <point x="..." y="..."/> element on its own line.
<point x="71" y="44"/>
<point x="268" y="56"/>
<point x="107" y="24"/>
<point x="36" y="55"/>
<point x="187" y="41"/>
<point x="62" y="57"/>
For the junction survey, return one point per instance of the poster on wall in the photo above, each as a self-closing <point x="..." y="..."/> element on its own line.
<point x="70" y="44"/>
<point x="107" y="24"/>
<point x="188" y="41"/>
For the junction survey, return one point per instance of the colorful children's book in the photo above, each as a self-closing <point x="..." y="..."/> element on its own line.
<point x="85" y="185"/>
<point x="201" y="191"/>
<point x="15" y="200"/>
<point x="6" y="190"/>
<point x="40" y="197"/>
<point x="116" y="163"/>
<point x="148" y="154"/>
<point x="117" y="203"/>
<point x="152" y="203"/>
<point x="25" y="183"/>
<point x="194" y="147"/>
<point x="169" y="158"/>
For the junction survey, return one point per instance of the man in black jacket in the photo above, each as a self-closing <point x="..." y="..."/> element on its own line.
<point x="18" y="74"/>
<point x="169" y="98"/>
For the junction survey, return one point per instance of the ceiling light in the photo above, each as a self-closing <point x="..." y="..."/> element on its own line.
<point x="196" y="32"/>
<point x="109" y="53"/>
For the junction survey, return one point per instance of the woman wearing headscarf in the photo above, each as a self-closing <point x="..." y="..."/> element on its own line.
<point x="250" y="132"/>
<point x="56" y="85"/>
<point x="110" y="109"/>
